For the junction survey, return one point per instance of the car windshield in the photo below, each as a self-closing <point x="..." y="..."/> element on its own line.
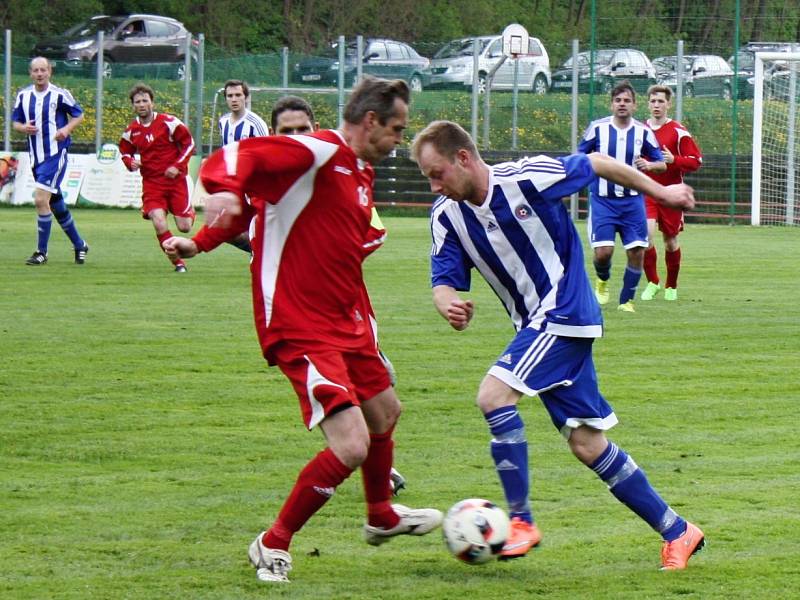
<point x="332" y="51"/>
<point x="92" y="26"/>
<point x="601" y="57"/>
<point x="459" y="48"/>
<point x="667" y="63"/>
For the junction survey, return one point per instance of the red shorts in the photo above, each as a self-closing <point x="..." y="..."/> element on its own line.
<point x="670" y="220"/>
<point x="170" y="195"/>
<point x="326" y="380"/>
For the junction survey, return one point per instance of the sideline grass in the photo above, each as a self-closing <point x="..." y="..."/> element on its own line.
<point x="143" y="441"/>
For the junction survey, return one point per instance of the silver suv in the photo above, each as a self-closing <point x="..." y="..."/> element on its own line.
<point x="452" y="65"/>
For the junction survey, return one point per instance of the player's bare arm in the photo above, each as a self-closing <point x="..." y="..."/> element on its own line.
<point x="675" y="196"/>
<point x="658" y="166"/>
<point x="453" y="309"/>
<point x="220" y="208"/>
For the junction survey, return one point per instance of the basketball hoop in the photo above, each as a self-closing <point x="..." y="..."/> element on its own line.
<point x="515" y="41"/>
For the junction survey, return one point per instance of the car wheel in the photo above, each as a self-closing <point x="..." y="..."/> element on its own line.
<point x="540" y="85"/>
<point x="688" y="91"/>
<point x="415" y="83"/>
<point x="726" y="93"/>
<point x="481" y="83"/>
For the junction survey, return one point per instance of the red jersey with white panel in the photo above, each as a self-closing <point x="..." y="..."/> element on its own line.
<point x="312" y="224"/>
<point x="674" y="137"/>
<point x="164" y="142"/>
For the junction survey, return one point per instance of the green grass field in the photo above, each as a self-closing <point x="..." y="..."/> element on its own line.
<point x="144" y="442"/>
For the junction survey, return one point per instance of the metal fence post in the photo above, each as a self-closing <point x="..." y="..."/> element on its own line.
<point x="359" y="59"/>
<point x="340" y="111"/>
<point x="285" y="67"/>
<point x="475" y="63"/>
<point x="679" y="82"/>
<point x="7" y="91"/>
<point x="514" y="98"/>
<point x="198" y="131"/>
<point x="98" y="130"/>
<point x="573" y="146"/>
<point x="187" y="77"/>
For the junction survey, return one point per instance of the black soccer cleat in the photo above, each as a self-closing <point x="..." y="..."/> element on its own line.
<point x="80" y="254"/>
<point x="37" y="258"/>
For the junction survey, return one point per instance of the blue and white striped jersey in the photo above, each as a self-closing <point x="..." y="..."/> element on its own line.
<point x="251" y="125"/>
<point x="625" y="145"/>
<point x="523" y="242"/>
<point x="50" y="110"/>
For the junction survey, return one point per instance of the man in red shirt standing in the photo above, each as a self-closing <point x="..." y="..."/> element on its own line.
<point x="307" y="200"/>
<point x="163" y="145"/>
<point x="682" y="156"/>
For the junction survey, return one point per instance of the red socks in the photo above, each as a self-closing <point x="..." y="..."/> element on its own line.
<point x="673" y="260"/>
<point x="650" y="268"/>
<point x="375" y="475"/>
<point x="315" y="485"/>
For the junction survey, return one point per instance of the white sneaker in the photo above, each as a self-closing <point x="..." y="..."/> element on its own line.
<point x="396" y="481"/>
<point x="270" y="564"/>
<point x="413" y="521"/>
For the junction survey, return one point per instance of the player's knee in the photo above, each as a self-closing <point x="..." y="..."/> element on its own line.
<point x="587" y="444"/>
<point x="494" y="394"/>
<point x="184" y="226"/>
<point x="352" y="451"/>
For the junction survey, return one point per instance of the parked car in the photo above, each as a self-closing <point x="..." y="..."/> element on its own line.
<point x="703" y="75"/>
<point x="144" y="41"/>
<point x="452" y="65"/>
<point x="778" y="81"/>
<point x="747" y="62"/>
<point x="382" y="58"/>
<point x="611" y="66"/>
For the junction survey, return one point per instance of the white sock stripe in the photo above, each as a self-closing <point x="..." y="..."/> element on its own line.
<point x="502" y="418"/>
<point x="523" y="370"/>
<point x="612" y="455"/>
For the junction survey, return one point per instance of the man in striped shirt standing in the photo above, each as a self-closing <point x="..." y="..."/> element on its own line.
<point x="508" y="222"/>
<point x="241" y="122"/>
<point x="615" y="208"/>
<point x="48" y="114"/>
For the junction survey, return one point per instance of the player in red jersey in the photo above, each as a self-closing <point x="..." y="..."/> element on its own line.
<point x="163" y="145"/>
<point x="682" y="156"/>
<point x="313" y="224"/>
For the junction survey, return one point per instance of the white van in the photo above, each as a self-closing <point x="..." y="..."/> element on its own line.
<point x="452" y="65"/>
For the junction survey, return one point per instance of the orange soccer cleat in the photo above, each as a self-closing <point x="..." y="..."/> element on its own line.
<point x="676" y="554"/>
<point x="522" y="536"/>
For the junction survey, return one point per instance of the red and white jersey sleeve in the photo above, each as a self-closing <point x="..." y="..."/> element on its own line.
<point x="164" y="142"/>
<point x="314" y="225"/>
<point x="675" y="137"/>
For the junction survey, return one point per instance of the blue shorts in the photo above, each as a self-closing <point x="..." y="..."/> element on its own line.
<point x="609" y="216"/>
<point x="561" y="371"/>
<point x="50" y="173"/>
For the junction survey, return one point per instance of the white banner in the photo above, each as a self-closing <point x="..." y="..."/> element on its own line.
<point x="100" y="179"/>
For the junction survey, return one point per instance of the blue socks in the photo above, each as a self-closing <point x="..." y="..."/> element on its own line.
<point x="509" y="450"/>
<point x="43" y="224"/>
<point x="630" y="280"/>
<point x="629" y="485"/>
<point x="64" y="218"/>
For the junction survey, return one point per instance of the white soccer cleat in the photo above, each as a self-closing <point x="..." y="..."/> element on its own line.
<point x="270" y="564"/>
<point x="413" y="521"/>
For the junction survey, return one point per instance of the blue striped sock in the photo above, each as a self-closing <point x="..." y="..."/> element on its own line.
<point x="43" y="224"/>
<point x="630" y="486"/>
<point x="509" y="449"/>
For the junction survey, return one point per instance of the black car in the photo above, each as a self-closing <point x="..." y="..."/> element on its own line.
<point x="611" y="66"/>
<point x="703" y="75"/>
<point x="133" y="45"/>
<point x="382" y="58"/>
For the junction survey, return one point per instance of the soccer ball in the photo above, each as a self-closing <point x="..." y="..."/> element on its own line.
<point x="475" y="530"/>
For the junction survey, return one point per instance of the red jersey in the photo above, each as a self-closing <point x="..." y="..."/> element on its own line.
<point x="164" y="142"/>
<point x="314" y="224"/>
<point x="674" y="137"/>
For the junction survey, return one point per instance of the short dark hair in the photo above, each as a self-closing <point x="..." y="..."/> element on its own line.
<point x="446" y="137"/>
<point x="623" y="86"/>
<point x="377" y="95"/>
<point x="290" y="103"/>
<point x="662" y="89"/>
<point x="142" y="88"/>
<point x="234" y="83"/>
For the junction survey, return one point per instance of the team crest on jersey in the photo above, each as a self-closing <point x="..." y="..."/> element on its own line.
<point x="523" y="211"/>
<point x="53" y="106"/>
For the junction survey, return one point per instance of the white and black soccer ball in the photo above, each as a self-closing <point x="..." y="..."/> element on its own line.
<point x="475" y="530"/>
